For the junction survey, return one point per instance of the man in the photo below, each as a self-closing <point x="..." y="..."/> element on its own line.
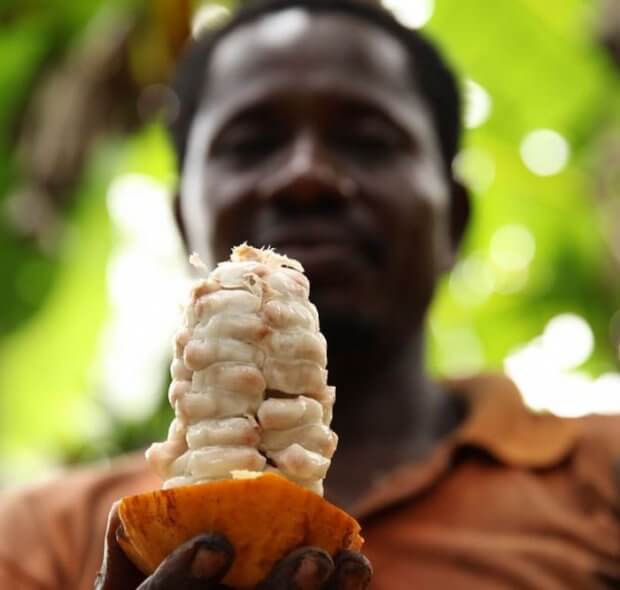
<point x="327" y="130"/>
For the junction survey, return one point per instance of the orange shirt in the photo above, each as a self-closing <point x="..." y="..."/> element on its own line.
<point x="511" y="499"/>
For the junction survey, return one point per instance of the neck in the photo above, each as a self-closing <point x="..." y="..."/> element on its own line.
<point x="384" y="397"/>
<point x="388" y="412"/>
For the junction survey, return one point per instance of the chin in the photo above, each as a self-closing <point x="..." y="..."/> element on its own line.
<point x="348" y="333"/>
<point x="346" y="319"/>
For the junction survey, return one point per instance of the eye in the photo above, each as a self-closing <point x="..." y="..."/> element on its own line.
<point x="248" y="142"/>
<point x="369" y="138"/>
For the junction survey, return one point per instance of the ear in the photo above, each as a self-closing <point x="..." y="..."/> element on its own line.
<point x="178" y="218"/>
<point x="460" y="211"/>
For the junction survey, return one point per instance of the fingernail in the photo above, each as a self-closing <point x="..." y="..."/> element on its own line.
<point x="207" y="563"/>
<point x="120" y="534"/>
<point x="311" y="573"/>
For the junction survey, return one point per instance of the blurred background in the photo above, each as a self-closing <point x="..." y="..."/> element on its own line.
<point x="92" y="271"/>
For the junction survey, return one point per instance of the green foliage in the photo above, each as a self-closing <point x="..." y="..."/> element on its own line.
<point x="539" y="63"/>
<point x="541" y="68"/>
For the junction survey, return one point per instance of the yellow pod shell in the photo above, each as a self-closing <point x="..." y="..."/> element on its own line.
<point x="264" y="518"/>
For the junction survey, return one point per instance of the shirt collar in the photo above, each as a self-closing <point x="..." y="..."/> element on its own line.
<point x="501" y="424"/>
<point x="497" y="422"/>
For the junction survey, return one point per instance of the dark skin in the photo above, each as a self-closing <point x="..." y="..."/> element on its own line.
<point x="320" y="145"/>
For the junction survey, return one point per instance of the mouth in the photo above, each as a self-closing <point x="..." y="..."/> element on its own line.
<point x="329" y="253"/>
<point x="318" y="255"/>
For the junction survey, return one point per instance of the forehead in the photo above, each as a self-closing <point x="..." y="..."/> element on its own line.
<point x="293" y="47"/>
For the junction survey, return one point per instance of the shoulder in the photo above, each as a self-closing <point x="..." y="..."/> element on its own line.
<point x="68" y="489"/>
<point x="603" y="430"/>
<point x="597" y="456"/>
<point x="500" y="421"/>
<point x="51" y="527"/>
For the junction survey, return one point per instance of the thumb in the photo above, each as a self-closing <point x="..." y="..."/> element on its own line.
<point x="196" y="565"/>
<point x="117" y="572"/>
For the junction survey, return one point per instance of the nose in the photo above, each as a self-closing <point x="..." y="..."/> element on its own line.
<point x="308" y="176"/>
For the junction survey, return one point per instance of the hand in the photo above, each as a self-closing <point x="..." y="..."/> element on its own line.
<point x="202" y="562"/>
<point x="198" y="564"/>
<point x="311" y="568"/>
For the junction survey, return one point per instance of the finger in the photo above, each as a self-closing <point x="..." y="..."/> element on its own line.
<point x="353" y="571"/>
<point x="307" y="568"/>
<point x="198" y="564"/>
<point x="116" y="572"/>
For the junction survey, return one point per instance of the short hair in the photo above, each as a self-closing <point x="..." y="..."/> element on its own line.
<point x="433" y="77"/>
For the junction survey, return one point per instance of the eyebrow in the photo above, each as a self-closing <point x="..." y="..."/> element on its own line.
<point x="272" y="108"/>
<point x="256" y="110"/>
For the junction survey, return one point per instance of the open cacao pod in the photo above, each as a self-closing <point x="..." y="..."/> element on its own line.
<point x="265" y="518"/>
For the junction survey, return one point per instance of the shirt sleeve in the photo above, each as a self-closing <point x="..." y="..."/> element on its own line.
<point x="11" y="576"/>
<point x="27" y="559"/>
<point x="598" y="459"/>
<point x="51" y="533"/>
<point x="597" y="467"/>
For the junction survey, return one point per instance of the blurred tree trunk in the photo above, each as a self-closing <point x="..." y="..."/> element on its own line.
<point x="609" y="28"/>
<point x="110" y="80"/>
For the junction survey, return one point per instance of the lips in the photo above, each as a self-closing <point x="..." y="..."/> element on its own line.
<point x="325" y="262"/>
<point x="322" y="248"/>
<point x="306" y="233"/>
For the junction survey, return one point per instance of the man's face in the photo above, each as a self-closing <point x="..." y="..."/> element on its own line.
<point x="312" y="138"/>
